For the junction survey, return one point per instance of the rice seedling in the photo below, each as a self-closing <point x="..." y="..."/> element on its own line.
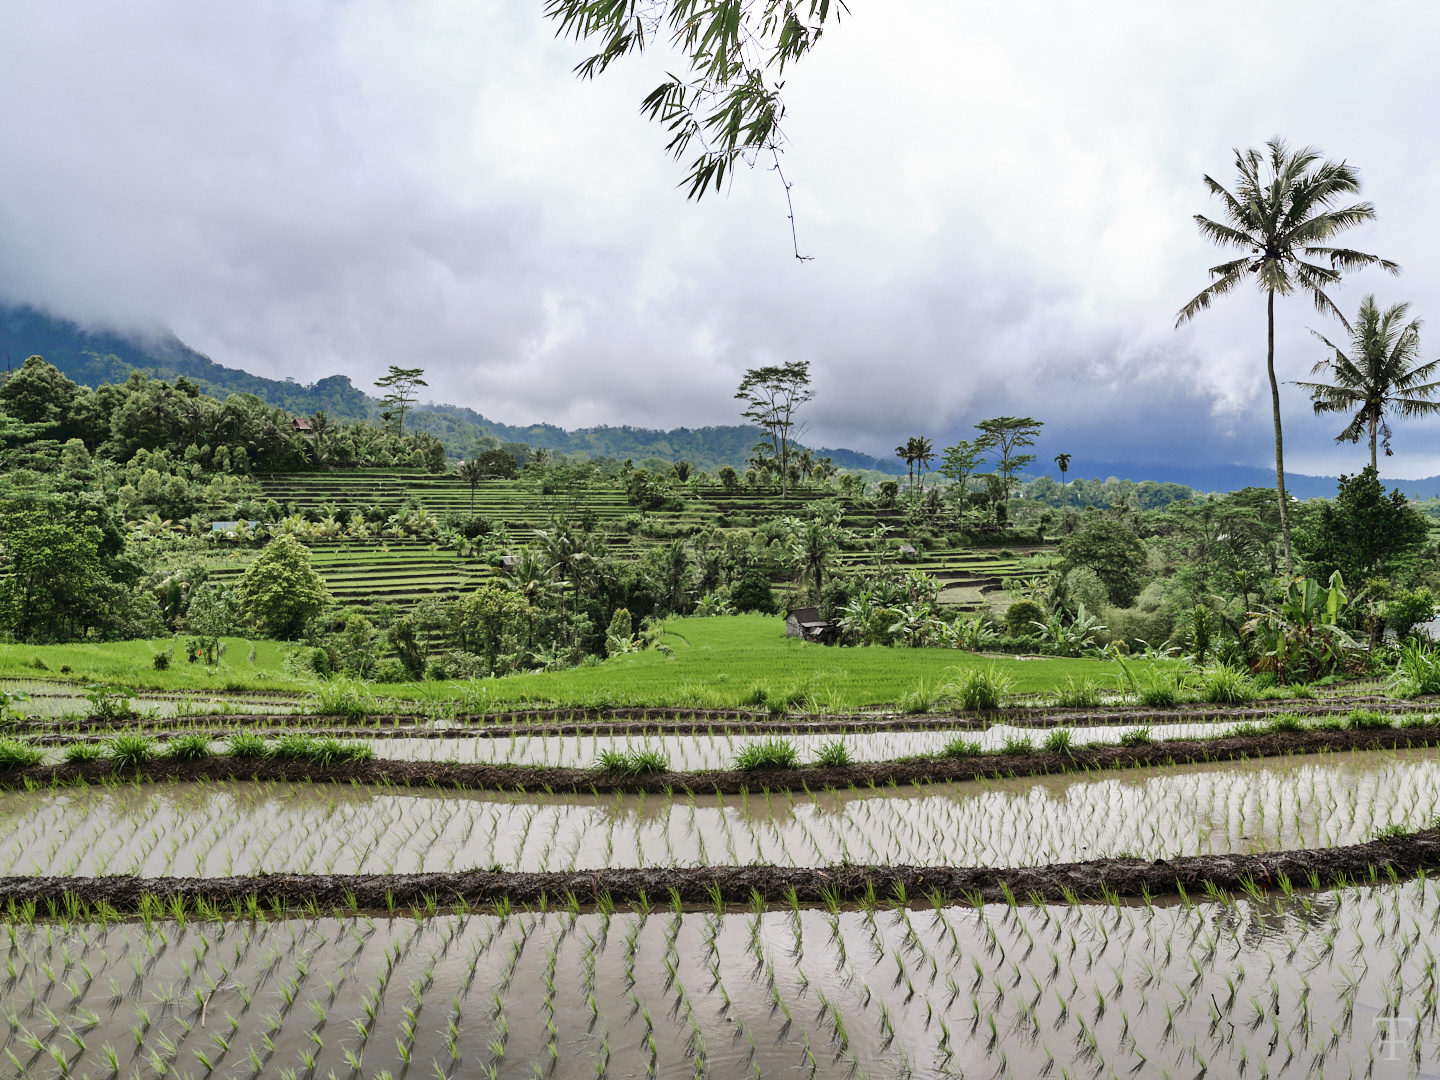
<point x="345" y="697"/>
<point x="960" y="747"/>
<point x="1140" y="736"/>
<point x="1285" y="722"/>
<point x="1060" y="741"/>
<point x="15" y="754"/>
<point x="1160" y="688"/>
<point x="1018" y="744"/>
<point x="767" y="754"/>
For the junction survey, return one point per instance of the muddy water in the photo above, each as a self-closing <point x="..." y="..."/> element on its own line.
<point x="699" y="752"/>
<point x="1276" y="988"/>
<point x="52" y="701"/>
<point x="199" y="830"/>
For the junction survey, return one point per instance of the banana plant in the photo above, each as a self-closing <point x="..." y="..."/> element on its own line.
<point x="1301" y="638"/>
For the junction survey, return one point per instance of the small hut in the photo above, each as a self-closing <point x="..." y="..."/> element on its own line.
<point x="807" y="625"/>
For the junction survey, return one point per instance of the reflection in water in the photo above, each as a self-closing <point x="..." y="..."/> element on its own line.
<point x="247" y="828"/>
<point x="1227" y="989"/>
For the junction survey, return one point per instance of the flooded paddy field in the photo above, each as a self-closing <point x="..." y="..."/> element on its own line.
<point x="248" y="828"/>
<point x="1312" y="984"/>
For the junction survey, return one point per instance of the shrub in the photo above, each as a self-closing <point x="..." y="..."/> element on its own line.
<point x="1060" y="741"/>
<point x="280" y="590"/>
<point x="632" y="762"/>
<point x="767" y="754"/>
<point x="1226" y="685"/>
<point x="1139" y="737"/>
<point x="78" y="753"/>
<point x="960" y="747"/>
<point x="753" y="593"/>
<point x="980" y="689"/>
<point x="1367" y="720"/>
<point x="1406" y="608"/>
<point x="247" y="744"/>
<point x="833" y="754"/>
<point x="161" y="661"/>
<point x="1160" y="689"/>
<point x="189" y="747"/>
<point x="15" y="754"/>
<point x="1021" y="617"/>
<point x="130" y="751"/>
<point x="1020" y="744"/>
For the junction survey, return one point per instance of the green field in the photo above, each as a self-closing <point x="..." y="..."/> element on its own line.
<point x="714" y="663"/>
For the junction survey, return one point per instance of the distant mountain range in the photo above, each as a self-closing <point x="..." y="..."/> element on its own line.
<point x="1208" y="478"/>
<point x="93" y="357"/>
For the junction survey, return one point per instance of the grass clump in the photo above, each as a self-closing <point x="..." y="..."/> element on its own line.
<point x="1392" y="832"/>
<point x="632" y="762"/>
<point x="130" y="751"/>
<point x="191" y="747"/>
<point x="1060" y="741"/>
<point x="1227" y="685"/>
<point x="1417" y="672"/>
<point x="328" y="751"/>
<point x="1367" y="720"/>
<point x="1081" y="694"/>
<point x="78" y="753"/>
<point x="833" y="754"/>
<point x="960" y="747"/>
<point x="247" y="744"/>
<point x="15" y="754"/>
<point x="1018" y="744"/>
<point x="980" y="689"/>
<point x="342" y="697"/>
<point x="1139" y="737"/>
<point x="767" y="754"/>
<point x="1285" y="722"/>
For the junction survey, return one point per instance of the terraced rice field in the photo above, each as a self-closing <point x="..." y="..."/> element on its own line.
<point x="230" y="828"/>
<point x="402" y="571"/>
<point x="1329" y="984"/>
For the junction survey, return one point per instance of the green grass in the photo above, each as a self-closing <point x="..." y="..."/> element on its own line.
<point x="717" y="662"/>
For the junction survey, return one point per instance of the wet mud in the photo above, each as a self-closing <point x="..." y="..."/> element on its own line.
<point x="436" y="774"/>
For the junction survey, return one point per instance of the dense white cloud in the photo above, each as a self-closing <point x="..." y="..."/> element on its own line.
<point x="997" y="197"/>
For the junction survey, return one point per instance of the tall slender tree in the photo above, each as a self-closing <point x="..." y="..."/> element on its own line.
<point x="924" y="456"/>
<point x="906" y="453"/>
<point x="471" y="472"/>
<point x="399" y="386"/>
<point x="772" y="396"/>
<point x="1379" y="374"/>
<point x="1063" y="461"/>
<point x="1281" y="214"/>
<point x="1005" y="435"/>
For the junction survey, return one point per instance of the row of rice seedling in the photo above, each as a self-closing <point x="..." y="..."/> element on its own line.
<point x="230" y="828"/>
<point x="1324" y="984"/>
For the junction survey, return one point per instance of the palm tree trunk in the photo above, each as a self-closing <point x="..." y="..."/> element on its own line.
<point x="1373" y="464"/>
<point x="1279" y="438"/>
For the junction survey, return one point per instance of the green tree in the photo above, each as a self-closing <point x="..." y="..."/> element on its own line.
<point x="959" y="463"/>
<point x="1380" y="373"/>
<point x="1365" y="533"/>
<point x="772" y="396"/>
<point x="906" y="453"/>
<point x="1281" y="214"/>
<point x="1005" y="435"/>
<point x="1111" y="549"/>
<point x="38" y="393"/>
<point x="280" y="590"/>
<point x="812" y="543"/>
<point x="924" y="456"/>
<point x="54" y="584"/>
<point x="399" y="386"/>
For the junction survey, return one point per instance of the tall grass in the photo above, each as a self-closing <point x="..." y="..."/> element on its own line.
<point x="767" y="754"/>
<point x="979" y="689"/>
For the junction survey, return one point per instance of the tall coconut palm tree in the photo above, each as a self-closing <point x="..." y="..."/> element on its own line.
<point x="924" y="456"/>
<point x="906" y="454"/>
<point x="471" y="472"/>
<point x="1379" y="374"/>
<point x="1062" y="460"/>
<point x="1281" y="213"/>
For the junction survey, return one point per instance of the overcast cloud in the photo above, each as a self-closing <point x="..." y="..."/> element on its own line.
<point x="997" y="198"/>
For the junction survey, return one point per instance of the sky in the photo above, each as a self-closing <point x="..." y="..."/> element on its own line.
<point x="997" y="200"/>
